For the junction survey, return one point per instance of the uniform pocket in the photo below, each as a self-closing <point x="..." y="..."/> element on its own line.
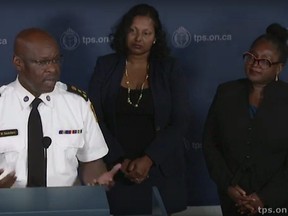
<point x="65" y="150"/>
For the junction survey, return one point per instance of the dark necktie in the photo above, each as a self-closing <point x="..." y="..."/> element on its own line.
<point x="36" y="162"/>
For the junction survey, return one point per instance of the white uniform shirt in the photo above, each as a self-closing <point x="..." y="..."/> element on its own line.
<point x="67" y="118"/>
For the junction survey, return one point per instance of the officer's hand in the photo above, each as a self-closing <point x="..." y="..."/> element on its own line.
<point x="106" y="178"/>
<point x="8" y="180"/>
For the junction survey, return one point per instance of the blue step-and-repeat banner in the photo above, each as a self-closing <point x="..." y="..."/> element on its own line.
<point x="208" y="36"/>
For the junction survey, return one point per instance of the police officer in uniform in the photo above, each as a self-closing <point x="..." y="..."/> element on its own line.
<point x="68" y="121"/>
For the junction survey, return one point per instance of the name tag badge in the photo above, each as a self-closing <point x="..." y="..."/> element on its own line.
<point x="9" y="132"/>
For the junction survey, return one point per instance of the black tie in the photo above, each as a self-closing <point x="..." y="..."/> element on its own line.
<point x="36" y="162"/>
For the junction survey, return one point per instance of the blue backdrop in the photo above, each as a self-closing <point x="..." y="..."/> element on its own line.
<point x="207" y="36"/>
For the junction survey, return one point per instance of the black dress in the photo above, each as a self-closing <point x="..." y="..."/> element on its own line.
<point x="135" y="126"/>
<point x="134" y="131"/>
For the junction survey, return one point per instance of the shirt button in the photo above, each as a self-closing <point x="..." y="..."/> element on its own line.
<point x="247" y="157"/>
<point x="158" y="128"/>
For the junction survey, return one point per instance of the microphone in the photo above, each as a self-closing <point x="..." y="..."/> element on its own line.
<point x="46" y="142"/>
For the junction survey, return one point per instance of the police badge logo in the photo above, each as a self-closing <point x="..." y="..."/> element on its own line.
<point x="70" y="40"/>
<point x="181" y="38"/>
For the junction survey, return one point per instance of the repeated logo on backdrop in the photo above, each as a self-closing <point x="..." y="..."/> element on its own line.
<point x="71" y="40"/>
<point x="3" y="41"/>
<point x="181" y="38"/>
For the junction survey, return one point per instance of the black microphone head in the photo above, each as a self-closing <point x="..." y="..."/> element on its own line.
<point x="46" y="141"/>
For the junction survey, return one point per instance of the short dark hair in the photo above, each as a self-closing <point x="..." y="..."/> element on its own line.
<point x="278" y="35"/>
<point x="118" y="37"/>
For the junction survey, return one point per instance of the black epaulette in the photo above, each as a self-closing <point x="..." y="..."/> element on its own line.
<point x="77" y="91"/>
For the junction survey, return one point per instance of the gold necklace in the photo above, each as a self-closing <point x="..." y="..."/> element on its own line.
<point x="129" y="89"/>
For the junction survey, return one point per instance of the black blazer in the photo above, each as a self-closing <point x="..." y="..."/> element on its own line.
<point x="169" y="91"/>
<point x="251" y="152"/>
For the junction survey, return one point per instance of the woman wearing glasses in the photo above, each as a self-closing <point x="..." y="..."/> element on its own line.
<point x="246" y="132"/>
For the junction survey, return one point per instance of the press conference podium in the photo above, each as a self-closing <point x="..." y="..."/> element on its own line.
<point x="158" y="205"/>
<point x="63" y="201"/>
<point x="158" y="208"/>
<point x="54" y="201"/>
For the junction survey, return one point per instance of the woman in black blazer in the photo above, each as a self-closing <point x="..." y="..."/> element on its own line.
<point x="246" y="133"/>
<point x="141" y="102"/>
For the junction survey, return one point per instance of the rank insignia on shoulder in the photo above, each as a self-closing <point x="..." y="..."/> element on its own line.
<point x="93" y="110"/>
<point x="70" y="131"/>
<point x="73" y="89"/>
<point x="10" y="132"/>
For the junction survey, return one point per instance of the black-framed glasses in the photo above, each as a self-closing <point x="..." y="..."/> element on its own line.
<point x="264" y="63"/>
<point x="58" y="60"/>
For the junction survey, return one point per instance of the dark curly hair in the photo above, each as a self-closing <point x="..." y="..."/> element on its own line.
<point x="118" y="37"/>
<point x="278" y="35"/>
